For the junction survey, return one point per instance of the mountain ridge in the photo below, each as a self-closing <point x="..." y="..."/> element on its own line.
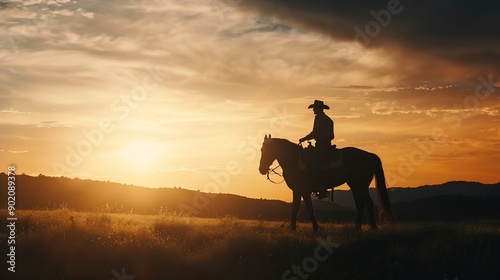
<point x="44" y="192"/>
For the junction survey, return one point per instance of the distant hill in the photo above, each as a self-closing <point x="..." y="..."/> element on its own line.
<point x="449" y="208"/>
<point x="447" y="201"/>
<point x="45" y="192"/>
<point x="397" y="195"/>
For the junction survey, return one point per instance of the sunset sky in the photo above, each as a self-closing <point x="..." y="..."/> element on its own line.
<point x="164" y="93"/>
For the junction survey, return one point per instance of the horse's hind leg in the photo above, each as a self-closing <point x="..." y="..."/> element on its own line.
<point x="310" y="211"/>
<point x="360" y="207"/>
<point x="369" y="206"/>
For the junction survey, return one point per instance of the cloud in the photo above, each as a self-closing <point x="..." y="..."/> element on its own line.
<point x="226" y="73"/>
<point x="5" y="4"/>
<point x="357" y="87"/>
<point x="14" y="111"/>
<point x="51" y="124"/>
<point x="238" y="55"/>
<point x="261" y="25"/>
<point x="442" y="40"/>
<point x="18" y="152"/>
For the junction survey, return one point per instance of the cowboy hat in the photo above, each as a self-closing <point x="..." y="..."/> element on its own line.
<point x="318" y="104"/>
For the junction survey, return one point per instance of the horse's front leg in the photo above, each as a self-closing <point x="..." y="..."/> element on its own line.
<point x="295" y="209"/>
<point x="310" y="211"/>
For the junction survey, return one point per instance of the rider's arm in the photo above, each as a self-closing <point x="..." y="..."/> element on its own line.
<point x="307" y="137"/>
<point x="313" y="133"/>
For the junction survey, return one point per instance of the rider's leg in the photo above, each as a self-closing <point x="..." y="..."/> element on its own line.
<point x="321" y="170"/>
<point x="322" y="185"/>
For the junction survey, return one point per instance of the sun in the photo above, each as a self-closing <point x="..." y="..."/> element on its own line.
<point x="142" y="155"/>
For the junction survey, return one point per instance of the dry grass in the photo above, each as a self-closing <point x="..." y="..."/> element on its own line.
<point x="62" y="244"/>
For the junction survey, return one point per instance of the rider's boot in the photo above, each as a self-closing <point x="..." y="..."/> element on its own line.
<point x="321" y="185"/>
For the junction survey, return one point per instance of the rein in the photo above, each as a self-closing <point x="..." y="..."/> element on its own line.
<point x="273" y="170"/>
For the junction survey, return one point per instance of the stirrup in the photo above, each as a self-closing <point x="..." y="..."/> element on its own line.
<point x="321" y="195"/>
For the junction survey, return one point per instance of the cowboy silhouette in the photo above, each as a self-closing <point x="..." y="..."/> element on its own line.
<point x="323" y="134"/>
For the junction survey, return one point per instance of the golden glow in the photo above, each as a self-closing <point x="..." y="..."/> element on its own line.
<point x="142" y="155"/>
<point x="176" y="103"/>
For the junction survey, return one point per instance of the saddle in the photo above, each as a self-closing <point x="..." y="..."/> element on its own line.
<point x="310" y="158"/>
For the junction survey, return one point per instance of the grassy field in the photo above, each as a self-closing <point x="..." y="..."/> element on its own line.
<point x="70" y="245"/>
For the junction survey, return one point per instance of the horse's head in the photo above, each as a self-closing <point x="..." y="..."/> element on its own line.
<point x="268" y="154"/>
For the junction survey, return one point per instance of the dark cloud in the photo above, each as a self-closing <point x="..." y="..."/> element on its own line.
<point x="5" y="4"/>
<point x="261" y="25"/>
<point x="421" y="33"/>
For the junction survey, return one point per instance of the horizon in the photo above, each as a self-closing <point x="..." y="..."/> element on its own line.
<point x="249" y="197"/>
<point x="153" y="93"/>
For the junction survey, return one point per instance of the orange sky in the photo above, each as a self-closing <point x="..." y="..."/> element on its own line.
<point x="181" y="93"/>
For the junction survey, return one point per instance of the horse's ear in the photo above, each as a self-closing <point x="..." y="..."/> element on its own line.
<point x="265" y="137"/>
<point x="269" y="135"/>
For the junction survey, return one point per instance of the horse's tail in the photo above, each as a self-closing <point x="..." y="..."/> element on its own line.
<point x="384" y="203"/>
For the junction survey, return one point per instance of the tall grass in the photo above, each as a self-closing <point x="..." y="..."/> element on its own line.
<point x="62" y="244"/>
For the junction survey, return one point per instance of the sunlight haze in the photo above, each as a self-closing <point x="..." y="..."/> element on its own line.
<point x="181" y="93"/>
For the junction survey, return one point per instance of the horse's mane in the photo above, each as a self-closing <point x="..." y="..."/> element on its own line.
<point x="282" y="139"/>
<point x="286" y="142"/>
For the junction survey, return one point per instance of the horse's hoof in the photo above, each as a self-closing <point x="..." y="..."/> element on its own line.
<point x="374" y="227"/>
<point x="316" y="228"/>
<point x="358" y="227"/>
<point x="293" y="228"/>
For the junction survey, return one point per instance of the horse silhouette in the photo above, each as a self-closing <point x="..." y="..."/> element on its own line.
<point x="357" y="171"/>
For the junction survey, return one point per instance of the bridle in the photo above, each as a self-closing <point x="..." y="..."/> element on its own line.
<point x="273" y="170"/>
